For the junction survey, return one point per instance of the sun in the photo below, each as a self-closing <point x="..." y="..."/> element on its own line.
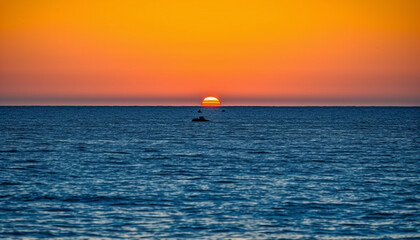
<point x="210" y="102"/>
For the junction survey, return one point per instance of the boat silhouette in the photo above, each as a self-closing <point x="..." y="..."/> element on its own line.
<point x="200" y="119"/>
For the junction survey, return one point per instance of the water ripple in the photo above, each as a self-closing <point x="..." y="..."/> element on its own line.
<point x="249" y="173"/>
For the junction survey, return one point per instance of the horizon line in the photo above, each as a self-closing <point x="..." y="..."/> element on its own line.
<point x="209" y="107"/>
<point x="196" y="101"/>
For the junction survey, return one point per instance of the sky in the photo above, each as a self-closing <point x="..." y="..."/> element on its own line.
<point x="280" y="53"/>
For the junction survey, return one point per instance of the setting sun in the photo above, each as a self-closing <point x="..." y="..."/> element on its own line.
<point x="210" y="102"/>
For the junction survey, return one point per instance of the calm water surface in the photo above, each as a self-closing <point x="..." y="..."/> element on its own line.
<point x="251" y="172"/>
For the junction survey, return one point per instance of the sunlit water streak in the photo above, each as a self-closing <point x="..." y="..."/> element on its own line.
<point x="251" y="172"/>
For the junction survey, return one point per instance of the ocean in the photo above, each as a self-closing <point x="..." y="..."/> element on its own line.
<point x="248" y="173"/>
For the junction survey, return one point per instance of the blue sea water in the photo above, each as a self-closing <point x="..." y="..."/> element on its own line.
<point x="250" y="173"/>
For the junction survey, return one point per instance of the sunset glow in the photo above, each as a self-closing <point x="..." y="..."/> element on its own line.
<point x="265" y="52"/>
<point x="210" y="102"/>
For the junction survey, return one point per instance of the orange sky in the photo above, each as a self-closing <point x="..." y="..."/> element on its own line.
<point x="332" y="52"/>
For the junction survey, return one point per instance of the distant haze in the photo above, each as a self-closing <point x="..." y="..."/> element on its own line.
<point x="278" y="53"/>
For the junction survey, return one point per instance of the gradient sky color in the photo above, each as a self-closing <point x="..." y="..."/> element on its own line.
<point x="326" y="52"/>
